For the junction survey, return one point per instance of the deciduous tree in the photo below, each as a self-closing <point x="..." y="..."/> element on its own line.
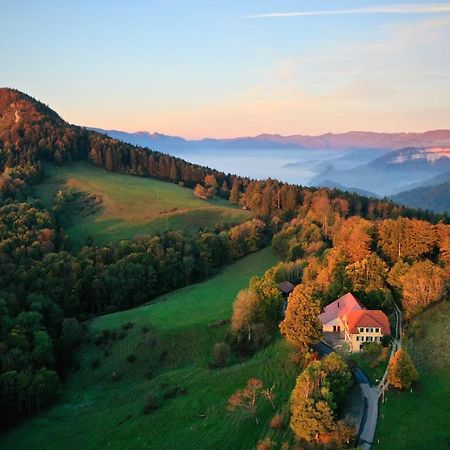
<point x="301" y="325"/>
<point x="401" y="370"/>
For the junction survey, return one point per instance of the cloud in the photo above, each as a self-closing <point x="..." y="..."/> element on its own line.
<point x="400" y="8"/>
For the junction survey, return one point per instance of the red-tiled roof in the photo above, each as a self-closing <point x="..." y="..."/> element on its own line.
<point x="373" y="318"/>
<point x="286" y="287"/>
<point x="341" y="306"/>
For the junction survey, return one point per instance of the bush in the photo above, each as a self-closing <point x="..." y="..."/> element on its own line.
<point x="277" y="422"/>
<point x="121" y="334"/>
<point x="131" y="358"/>
<point x="106" y="333"/>
<point x="98" y="340"/>
<point x="95" y="364"/>
<point x="152" y="403"/>
<point x="173" y="392"/>
<point x="148" y="373"/>
<point x="128" y="325"/>
<point x="115" y="376"/>
<point x="266" y="444"/>
<point x="221" y="354"/>
<point x="145" y="329"/>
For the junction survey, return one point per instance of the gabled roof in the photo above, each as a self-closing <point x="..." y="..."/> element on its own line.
<point x="341" y="306"/>
<point x="286" y="287"/>
<point x="373" y="318"/>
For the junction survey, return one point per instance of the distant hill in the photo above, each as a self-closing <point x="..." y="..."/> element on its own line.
<point x="333" y="185"/>
<point x="342" y="141"/>
<point x="435" y="198"/>
<point x="391" y="173"/>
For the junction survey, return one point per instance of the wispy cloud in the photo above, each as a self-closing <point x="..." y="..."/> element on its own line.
<point x="400" y="8"/>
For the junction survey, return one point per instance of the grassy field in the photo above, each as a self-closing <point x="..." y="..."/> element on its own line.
<point x="97" y="412"/>
<point x="132" y="206"/>
<point x="420" y="419"/>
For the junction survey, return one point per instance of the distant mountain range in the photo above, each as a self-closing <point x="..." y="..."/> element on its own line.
<point x="393" y="172"/>
<point x="328" y="141"/>
<point x="411" y="168"/>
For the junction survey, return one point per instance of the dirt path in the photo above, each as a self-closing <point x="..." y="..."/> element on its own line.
<point x="372" y="394"/>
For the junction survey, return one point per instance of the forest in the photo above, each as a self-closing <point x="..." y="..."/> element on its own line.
<point x="330" y="242"/>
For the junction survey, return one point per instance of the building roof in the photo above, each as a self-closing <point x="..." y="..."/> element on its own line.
<point x="368" y="318"/>
<point x="341" y="306"/>
<point x="286" y="287"/>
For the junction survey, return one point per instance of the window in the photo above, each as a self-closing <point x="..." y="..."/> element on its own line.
<point x="361" y="330"/>
<point x="369" y="338"/>
<point x="377" y="330"/>
<point x="367" y="330"/>
<point x="357" y="338"/>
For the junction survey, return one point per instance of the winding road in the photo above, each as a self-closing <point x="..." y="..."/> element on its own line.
<point x="371" y="394"/>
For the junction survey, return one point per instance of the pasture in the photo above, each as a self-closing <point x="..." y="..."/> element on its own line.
<point x="132" y="206"/>
<point x="98" y="412"/>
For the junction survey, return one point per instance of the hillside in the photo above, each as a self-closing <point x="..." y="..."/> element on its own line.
<point x="130" y="206"/>
<point x="435" y="197"/>
<point x="419" y="419"/>
<point x="97" y="412"/>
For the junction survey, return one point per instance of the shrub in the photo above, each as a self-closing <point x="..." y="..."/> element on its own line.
<point x="145" y="329"/>
<point x="152" y="403"/>
<point x="115" y="376"/>
<point x="171" y="392"/>
<point x="95" y="364"/>
<point x="221" y="354"/>
<point x="98" y="339"/>
<point x="266" y="444"/>
<point x="131" y="358"/>
<point x="127" y="325"/>
<point x="148" y="373"/>
<point x="277" y="422"/>
<point x="121" y="334"/>
<point x="106" y="333"/>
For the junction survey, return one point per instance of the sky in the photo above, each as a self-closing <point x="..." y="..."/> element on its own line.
<point x="225" y="68"/>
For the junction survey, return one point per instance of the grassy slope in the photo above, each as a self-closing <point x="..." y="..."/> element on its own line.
<point x="419" y="420"/>
<point x="132" y="205"/>
<point x="93" y="405"/>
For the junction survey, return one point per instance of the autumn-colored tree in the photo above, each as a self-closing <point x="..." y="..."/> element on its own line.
<point x="249" y="399"/>
<point x="245" y="311"/>
<point x="353" y="237"/>
<point x="211" y="185"/>
<point x="401" y="370"/>
<point x="265" y="444"/>
<point x="312" y="405"/>
<point x="422" y="285"/>
<point x="368" y="274"/>
<point x="394" y="277"/>
<point x="406" y="238"/>
<point x="200" y="192"/>
<point x="234" y="193"/>
<point x="301" y="325"/>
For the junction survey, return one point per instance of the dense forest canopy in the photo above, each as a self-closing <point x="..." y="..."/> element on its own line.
<point x="47" y="288"/>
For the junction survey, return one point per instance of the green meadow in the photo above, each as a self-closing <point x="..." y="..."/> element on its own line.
<point x="132" y="206"/>
<point x="419" y="419"/>
<point x="97" y="412"/>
